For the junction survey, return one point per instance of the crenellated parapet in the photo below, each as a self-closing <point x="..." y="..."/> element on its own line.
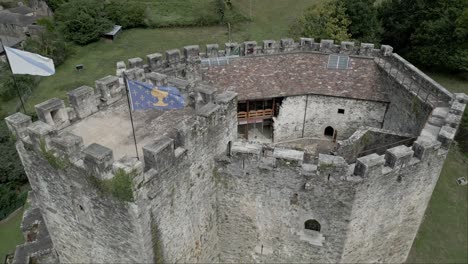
<point x="434" y="140"/>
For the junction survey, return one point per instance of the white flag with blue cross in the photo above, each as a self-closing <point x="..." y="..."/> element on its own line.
<point x="23" y="62"/>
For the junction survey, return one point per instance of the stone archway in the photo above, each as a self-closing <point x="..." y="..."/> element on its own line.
<point x="329" y="131"/>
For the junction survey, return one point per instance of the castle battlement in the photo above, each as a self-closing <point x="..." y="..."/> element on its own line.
<point x="202" y="194"/>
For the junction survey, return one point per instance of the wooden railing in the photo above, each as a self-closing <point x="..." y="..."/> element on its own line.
<point x="260" y="114"/>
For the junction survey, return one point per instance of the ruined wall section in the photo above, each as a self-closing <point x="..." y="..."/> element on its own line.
<point x="265" y="197"/>
<point x="366" y="141"/>
<point x="177" y="193"/>
<point x="322" y="111"/>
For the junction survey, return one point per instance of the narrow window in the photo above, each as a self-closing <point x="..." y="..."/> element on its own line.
<point x="340" y="111"/>
<point x="312" y="224"/>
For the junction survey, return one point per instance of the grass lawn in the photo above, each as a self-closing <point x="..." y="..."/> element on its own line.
<point x="10" y="234"/>
<point x="442" y="238"/>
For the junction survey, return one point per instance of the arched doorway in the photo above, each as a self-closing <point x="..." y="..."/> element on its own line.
<point x="329" y="131"/>
<point x="312" y="224"/>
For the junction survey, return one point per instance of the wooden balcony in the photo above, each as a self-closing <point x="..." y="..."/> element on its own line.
<point x="254" y="115"/>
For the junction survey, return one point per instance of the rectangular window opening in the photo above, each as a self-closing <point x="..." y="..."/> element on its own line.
<point x="340" y="111"/>
<point x="338" y="62"/>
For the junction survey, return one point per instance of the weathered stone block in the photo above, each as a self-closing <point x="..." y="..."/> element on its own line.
<point x="306" y="43"/>
<point x="287" y="44"/>
<point x="366" y="49"/>
<point x="40" y="134"/>
<point x="18" y="123"/>
<point x="386" y="50"/>
<point x="288" y="157"/>
<point x="157" y="79"/>
<point x="110" y="89"/>
<point x="129" y="165"/>
<point x="68" y="145"/>
<point x="250" y="48"/>
<point x="206" y="93"/>
<point x="347" y="47"/>
<point x="370" y="165"/>
<point x="446" y="136"/>
<point x="121" y="67"/>
<point x="269" y="46"/>
<point x="207" y="110"/>
<point x="225" y="97"/>
<point x="453" y="120"/>
<point x="172" y="57"/>
<point x="332" y="167"/>
<point x="398" y="157"/>
<point x="212" y="50"/>
<point x="244" y="150"/>
<point x="192" y="52"/>
<point x="159" y="155"/>
<point x="140" y="75"/>
<point x="155" y="60"/>
<point x="326" y="45"/>
<point x="231" y="47"/>
<point x="457" y="108"/>
<point x="135" y="63"/>
<point x="424" y="147"/>
<point x="53" y="112"/>
<point x="461" y="97"/>
<point x="83" y="102"/>
<point x="98" y="160"/>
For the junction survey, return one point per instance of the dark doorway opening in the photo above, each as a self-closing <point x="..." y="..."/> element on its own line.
<point x="312" y="224"/>
<point x="329" y="131"/>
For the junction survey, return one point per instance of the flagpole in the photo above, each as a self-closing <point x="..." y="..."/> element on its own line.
<point x="13" y="75"/>
<point x="130" y="110"/>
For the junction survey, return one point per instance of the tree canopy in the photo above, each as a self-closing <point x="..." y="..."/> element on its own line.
<point x="325" y="20"/>
<point x="83" y="21"/>
<point x="432" y="33"/>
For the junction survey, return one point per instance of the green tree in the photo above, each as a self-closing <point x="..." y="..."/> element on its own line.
<point x="364" y="24"/>
<point x="326" y="20"/>
<point x="432" y="33"/>
<point x="83" y="21"/>
<point x="125" y="13"/>
<point x="8" y="90"/>
<point x="12" y="176"/>
<point x="49" y="43"/>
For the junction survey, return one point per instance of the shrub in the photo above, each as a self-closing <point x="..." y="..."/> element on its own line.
<point x="126" y="14"/>
<point x="119" y="187"/>
<point x="83" y="21"/>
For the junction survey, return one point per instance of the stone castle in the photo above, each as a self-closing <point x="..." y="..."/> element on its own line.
<point x="285" y="152"/>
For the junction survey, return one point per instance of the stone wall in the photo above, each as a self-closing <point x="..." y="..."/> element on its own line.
<point x="178" y="189"/>
<point x="389" y="208"/>
<point x="265" y="198"/>
<point x="322" y="111"/>
<point x="366" y="141"/>
<point x="407" y="113"/>
<point x="84" y="225"/>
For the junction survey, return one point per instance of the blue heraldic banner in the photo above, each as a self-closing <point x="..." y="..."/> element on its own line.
<point x="145" y="96"/>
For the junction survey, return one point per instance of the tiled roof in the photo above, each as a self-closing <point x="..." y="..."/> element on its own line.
<point x="297" y="74"/>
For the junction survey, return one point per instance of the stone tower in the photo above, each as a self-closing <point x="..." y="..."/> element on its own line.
<point x="291" y="152"/>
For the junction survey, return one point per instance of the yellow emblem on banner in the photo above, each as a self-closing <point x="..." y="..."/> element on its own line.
<point x="160" y="95"/>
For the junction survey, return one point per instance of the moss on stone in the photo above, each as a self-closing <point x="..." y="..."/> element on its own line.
<point x="119" y="187"/>
<point x="54" y="161"/>
<point x="158" y="256"/>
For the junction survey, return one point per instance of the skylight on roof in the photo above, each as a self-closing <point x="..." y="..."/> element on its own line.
<point x="338" y="62"/>
<point x="218" y="61"/>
